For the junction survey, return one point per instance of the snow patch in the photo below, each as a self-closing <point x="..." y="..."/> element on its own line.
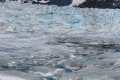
<point x="77" y="2"/>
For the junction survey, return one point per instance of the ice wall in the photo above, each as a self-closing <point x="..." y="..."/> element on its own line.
<point x="15" y="17"/>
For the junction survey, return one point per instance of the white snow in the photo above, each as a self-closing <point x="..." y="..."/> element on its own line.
<point x="44" y="1"/>
<point x="77" y="2"/>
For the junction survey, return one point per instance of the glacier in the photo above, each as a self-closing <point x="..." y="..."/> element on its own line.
<point x="41" y="42"/>
<point x="28" y="17"/>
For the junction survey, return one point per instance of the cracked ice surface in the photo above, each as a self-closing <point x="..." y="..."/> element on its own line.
<point x="40" y="42"/>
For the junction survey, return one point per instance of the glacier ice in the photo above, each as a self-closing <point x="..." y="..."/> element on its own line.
<point x="35" y="16"/>
<point x="41" y="42"/>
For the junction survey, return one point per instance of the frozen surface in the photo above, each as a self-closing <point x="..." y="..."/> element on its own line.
<point x="2" y="77"/>
<point x="92" y="23"/>
<point x="40" y="42"/>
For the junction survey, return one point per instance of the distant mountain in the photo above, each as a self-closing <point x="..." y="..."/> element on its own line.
<point x="54" y="2"/>
<point x="77" y="3"/>
<point x="99" y="4"/>
<point x="82" y="3"/>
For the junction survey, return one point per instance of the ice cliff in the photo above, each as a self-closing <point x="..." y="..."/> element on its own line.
<point x="28" y="14"/>
<point x="17" y="17"/>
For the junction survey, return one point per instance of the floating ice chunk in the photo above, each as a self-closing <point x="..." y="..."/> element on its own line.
<point x="11" y="29"/>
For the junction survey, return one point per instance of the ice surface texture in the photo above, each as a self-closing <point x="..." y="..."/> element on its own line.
<point x="28" y="17"/>
<point x="17" y="17"/>
<point x="40" y="42"/>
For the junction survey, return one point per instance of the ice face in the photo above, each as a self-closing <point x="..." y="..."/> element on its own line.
<point x="63" y="20"/>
